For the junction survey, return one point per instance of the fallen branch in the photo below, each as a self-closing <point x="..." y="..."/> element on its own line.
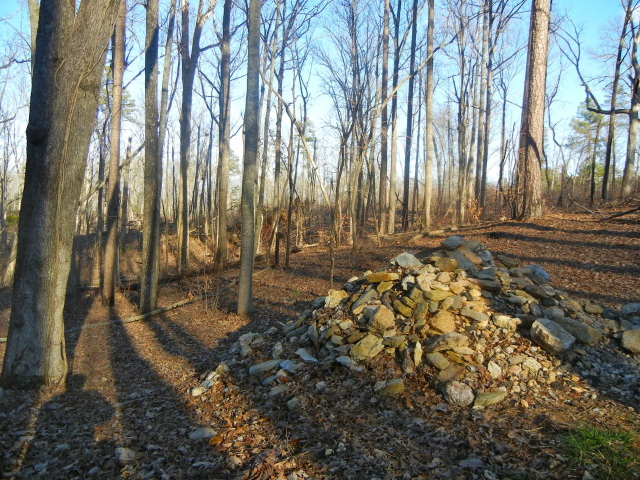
<point x="585" y="208"/>
<point x="620" y="214"/>
<point x="157" y="311"/>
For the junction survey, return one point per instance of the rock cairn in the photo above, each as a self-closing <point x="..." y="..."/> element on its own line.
<point x="479" y="328"/>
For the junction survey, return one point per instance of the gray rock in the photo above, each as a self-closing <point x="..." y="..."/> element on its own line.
<point x="462" y="261"/>
<point x="306" y="356"/>
<point x="289" y="366"/>
<point x="488" y="285"/>
<point x="264" y="367"/>
<point x="364" y="299"/>
<point x="517" y="300"/>
<point x="538" y="271"/>
<point x="473" y="315"/>
<point x="630" y="310"/>
<point x="437" y="360"/>
<point x="457" y="393"/>
<point x="368" y="347"/>
<point x="293" y="404"/>
<point x="125" y="456"/>
<point x="551" y="336"/>
<point x="631" y="340"/>
<point x="583" y="333"/>
<point x="407" y="260"/>
<point x="349" y="363"/>
<point x="453" y="242"/>
<point x="202" y="433"/>
<point x="446" y="342"/>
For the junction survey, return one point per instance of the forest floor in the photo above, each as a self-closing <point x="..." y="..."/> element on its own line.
<point x="128" y="411"/>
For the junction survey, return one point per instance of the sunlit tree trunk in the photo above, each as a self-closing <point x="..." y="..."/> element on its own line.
<point x="528" y="195"/>
<point x="113" y="197"/>
<point x="152" y="167"/>
<point x="250" y="159"/>
<point x="428" y="132"/>
<point x="71" y="44"/>
<point x="408" y="138"/>
<point x="224" y="135"/>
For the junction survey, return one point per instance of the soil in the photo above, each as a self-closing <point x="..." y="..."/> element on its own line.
<point x="129" y="385"/>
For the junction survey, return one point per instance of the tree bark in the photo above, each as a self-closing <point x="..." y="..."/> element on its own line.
<point x="528" y="199"/>
<point x="394" y="125"/>
<point x="384" y="124"/>
<point x="250" y="159"/>
<point x="71" y="46"/>
<point x="224" y="135"/>
<point x="634" y="121"/>
<point x="152" y="167"/>
<point x="113" y="197"/>
<point x="408" y="137"/>
<point x="614" y="98"/>
<point x="428" y="132"/>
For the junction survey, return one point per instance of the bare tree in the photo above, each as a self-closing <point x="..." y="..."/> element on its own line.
<point x="428" y="133"/>
<point x="189" y="67"/>
<point x="250" y="159"/>
<point x="224" y="135"/>
<point x="152" y="167"/>
<point x="70" y="44"/>
<point x="113" y="206"/>
<point x="408" y="138"/>
<point x="528" y="200"/>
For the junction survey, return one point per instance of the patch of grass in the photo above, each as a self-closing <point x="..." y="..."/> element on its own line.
<point x="608" y="454"/>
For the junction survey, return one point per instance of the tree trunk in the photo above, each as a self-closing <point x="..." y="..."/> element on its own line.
<point x="528" y="200"/>
<point x="384" y="124"/>
<point x="224" y="135"/>
<point x="614" y="98"/>
<point x="152" y="168"/>
<point x="113" y="206"/>
<point x="428" y="132"/>
<point x="482" y="106"/>
<point x="408" y="138"/>
<point x="394" y="124"/>
<point x="632" y="143"/>
<point x="250" y="159"/>
<point x="34" y="14"/>
<point x="69" y="45"/>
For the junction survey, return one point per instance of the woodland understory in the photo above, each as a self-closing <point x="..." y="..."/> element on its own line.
<point x="129" y="384"/>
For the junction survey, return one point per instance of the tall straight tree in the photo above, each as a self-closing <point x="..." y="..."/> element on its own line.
<point x="224" y="135"/>
<point x="384" y="122"/>
<point x="408" y="138"/>
<point x="152" y="167"/>
<point x="528" y="195"/>
<point x="189" y="67"/>
<point x="391" y="220"/>
<point x="113" y="194"/>
<point x="614" y="99"/>
<point x="428" y="133"/>
<point x="250" y="160"/>
<point x="70" y="45"/>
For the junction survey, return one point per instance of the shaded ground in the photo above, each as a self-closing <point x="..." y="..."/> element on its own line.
<point x="129" y="385"/>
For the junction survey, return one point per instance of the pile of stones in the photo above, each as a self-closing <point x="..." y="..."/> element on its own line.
<point x="479" y="328"/>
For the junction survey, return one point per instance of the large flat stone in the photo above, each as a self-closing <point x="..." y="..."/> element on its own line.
<point x="551" y="336"/>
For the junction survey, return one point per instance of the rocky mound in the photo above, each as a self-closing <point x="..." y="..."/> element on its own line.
<point x="478" y="329"/>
